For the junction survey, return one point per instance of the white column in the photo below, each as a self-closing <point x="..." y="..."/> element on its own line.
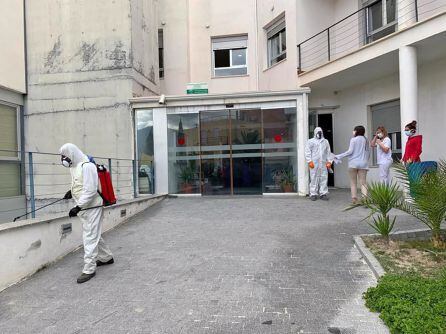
<point x="302" y="137"/>
<point x="160" y="150"/>
<point x="408" y="87"/>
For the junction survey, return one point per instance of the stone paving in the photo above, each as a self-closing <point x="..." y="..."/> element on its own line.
<point x="211" y="265"/>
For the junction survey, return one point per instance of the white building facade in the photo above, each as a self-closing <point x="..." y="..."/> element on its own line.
<point x="352" y="54"/>
<point x="92" y="73"/>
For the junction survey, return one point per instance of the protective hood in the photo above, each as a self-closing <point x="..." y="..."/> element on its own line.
<point x="317" y="130"/>
<point x="74" y="153"/>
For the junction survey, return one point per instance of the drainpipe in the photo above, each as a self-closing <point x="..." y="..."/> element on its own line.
<point x="257" y="45"/>
<point x="23" y="109"/>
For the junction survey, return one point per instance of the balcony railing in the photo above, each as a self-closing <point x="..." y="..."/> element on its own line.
<point x="371" y="23"/>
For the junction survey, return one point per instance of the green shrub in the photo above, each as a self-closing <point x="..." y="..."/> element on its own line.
<point x="428" y="194"/>
<point x="410" y="304"/>
<point x="380" y="199"/>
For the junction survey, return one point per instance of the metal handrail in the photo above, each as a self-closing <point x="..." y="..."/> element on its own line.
<point x="322" y="49"/>
<point x="326" y="47"/>
<point x="335" y="24"/>
<point x="57" y="154"/>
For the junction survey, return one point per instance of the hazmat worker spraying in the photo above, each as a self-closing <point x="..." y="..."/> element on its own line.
<point x="84" y="191"/>
<point x="320" y="159"/>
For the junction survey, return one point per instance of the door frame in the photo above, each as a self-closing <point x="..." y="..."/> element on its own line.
<point x="231" y="163"/>
<point x="325" y="111"/>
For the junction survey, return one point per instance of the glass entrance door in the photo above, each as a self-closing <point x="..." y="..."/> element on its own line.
<point x="215" y="151"/>
<point x="246" y="151"/>
<point x="231" y="152"/>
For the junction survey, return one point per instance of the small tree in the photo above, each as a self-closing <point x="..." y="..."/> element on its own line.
<point x="428" y="197"/>
<point x="380" y="199"/>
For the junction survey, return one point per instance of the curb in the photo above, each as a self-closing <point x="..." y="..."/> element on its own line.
<point x="371" y="260"/>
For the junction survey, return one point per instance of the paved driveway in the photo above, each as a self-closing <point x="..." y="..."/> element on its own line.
<point x="210" y="265"/>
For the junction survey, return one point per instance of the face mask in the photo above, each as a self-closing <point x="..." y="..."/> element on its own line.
<point x="66" y="162"/>
<point x="319" y="135"/>
<point x="409" y="133"/>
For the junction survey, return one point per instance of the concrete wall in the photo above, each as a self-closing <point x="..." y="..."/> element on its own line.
<point x="188" y="27"/>
<point x="174" y="20"/>
<point x="283" y="75"/>
<point x="85" y="60"/>
<point x="12" y="56"/>
<point x="30" y="245"/>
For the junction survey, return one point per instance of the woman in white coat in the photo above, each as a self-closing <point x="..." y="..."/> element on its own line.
<point x="358" y="161"/>
<point x="384" y="159"/>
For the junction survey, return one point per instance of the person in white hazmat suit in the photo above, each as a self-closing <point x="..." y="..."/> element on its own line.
<point x="84" y="191"/>
<point x="318" y="156"/>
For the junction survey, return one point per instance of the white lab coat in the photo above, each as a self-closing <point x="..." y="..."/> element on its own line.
<point x="84" y="189"/>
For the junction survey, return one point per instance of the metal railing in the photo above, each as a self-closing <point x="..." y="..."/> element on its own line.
<point x="42" y="179"/>
<point x="359" y="29"/>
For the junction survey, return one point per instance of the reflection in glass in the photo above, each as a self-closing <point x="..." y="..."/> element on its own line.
<point x="246" y="137"/>
<point x="215" y="149"/>
<point x="280" y="162"/>
<point x="184" y="155"/>
<point x="144" y="125"/>
<point x="238" y="57"/>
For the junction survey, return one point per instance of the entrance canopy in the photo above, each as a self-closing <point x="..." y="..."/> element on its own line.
<point x="227" y="144"/>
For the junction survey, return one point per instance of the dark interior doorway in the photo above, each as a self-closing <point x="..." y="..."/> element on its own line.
<point x="325" y="121"/>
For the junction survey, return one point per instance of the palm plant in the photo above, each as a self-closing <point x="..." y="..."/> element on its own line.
<point x="380" y="199"/>
<point x="428" y="197"/>
<point x="287" y="180"/>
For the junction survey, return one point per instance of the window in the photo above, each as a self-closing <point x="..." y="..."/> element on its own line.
<point x="276" y="35"/>
<point x="380" y="19"/>
<point x="229" y="56"/>
<point x="10" y="158"/>
<point x="388" y="115"/>
<point x="161" y="52"/>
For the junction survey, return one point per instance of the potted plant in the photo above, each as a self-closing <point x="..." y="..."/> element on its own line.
<point x="186" y="177"/>
<point x="288" y="179"/>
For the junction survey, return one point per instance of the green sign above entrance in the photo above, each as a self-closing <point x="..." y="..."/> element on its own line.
<point x="197" y="88"/>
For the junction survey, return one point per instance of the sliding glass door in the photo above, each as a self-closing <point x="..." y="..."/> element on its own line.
<point x="215" y="148"/>
<point x="246" y="151"/>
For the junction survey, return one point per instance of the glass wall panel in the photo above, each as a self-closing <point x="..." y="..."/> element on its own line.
<point x="184" y="153"/>
<point x="280" y="159"/>
<point x="144" y="126"/>
<point x="215" y="153"/>
<point x="246" y="140"/>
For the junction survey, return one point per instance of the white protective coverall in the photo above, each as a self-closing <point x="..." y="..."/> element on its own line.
<point x="84" y="189"/>
<point x="318" y="151"/>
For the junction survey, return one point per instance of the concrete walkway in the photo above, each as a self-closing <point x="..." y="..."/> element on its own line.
<point x="210" y="265"/>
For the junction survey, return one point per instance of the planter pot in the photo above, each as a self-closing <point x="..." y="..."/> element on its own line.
<point x="186" y="188"/>
<point x="288" y="188"/>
